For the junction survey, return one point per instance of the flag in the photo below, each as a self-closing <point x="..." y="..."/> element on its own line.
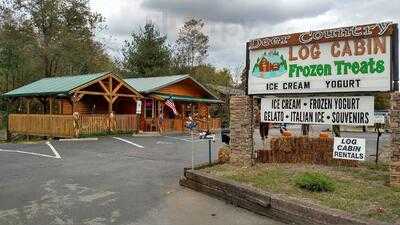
<point x="171" y="105"/>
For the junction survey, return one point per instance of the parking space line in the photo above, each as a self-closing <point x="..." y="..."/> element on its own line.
<point x="129" y="142"/>
<point x="186" y="140"/>
<point x="31" y="153"/>
<point x="57" y="156"/>
<point x="181" y="139"/>
<point x="79" y="139"/>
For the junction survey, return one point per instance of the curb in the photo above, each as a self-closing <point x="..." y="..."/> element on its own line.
<point x="276" y="206"/>
<point x="79" y="139"/>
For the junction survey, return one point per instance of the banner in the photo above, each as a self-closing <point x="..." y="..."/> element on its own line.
<point x="338" y="110"/>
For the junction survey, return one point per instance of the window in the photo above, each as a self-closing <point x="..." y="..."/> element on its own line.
<point x="149" y="108"/>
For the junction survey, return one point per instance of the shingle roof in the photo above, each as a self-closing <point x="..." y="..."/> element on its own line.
<point x="149" y="84"/>
<point x="54" y="85"/>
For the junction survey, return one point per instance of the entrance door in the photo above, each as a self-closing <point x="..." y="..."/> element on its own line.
<point x="149" y="118"/>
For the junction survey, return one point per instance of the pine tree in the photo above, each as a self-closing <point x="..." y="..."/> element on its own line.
<point x="147" y="54"/>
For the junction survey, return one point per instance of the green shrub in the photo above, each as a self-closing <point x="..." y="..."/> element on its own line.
<point x="315" y="182"/>
<point x="3" y="119"/>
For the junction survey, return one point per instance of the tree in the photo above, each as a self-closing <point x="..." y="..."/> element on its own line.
<point x="43" y="38"/>
<point x="191" y="45"/>
<point x="64" y="31"/>
<point x="147" y="54"/>
<point x="208" y="74"/>
<point x="17" y="46"/>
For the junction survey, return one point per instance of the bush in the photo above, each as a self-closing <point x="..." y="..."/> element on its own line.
<point x="315" y="182"/>
<point x="3" y="119"/>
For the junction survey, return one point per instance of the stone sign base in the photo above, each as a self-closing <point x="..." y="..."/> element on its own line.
<point x="241" y="136"/>
<point x="395" y="139"/>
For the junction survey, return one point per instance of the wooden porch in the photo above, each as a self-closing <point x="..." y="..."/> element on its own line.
<point x="69" y="125"/>
<point x="89" y="124"/>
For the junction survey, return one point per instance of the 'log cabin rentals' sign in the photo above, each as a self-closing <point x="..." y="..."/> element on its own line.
<point x="349" y="59"/>
<point x="349" y="148"/>
<point x="338" y="110"/>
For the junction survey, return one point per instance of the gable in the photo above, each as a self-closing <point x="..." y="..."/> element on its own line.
<point x="186" y="87"/>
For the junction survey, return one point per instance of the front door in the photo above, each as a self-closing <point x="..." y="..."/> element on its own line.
<point x="149" y="118"/>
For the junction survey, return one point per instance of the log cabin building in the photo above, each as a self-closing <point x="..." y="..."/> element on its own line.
<point x="103" y="102"/>
<point x="188" y="95"/>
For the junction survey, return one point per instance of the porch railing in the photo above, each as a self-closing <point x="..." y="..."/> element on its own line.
<point x="178" y="125"/>
<point x="41" y="125"/>
<point x="67" y="126"/>
<point x="87" y="124"/>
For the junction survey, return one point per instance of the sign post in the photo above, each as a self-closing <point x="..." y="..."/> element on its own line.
<point x="191" y="125"/>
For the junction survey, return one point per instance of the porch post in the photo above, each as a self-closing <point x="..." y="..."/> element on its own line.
<point x="60" y="105"/>
<point x="73" y="106"/>
<point x="28" y="101"/>
<point x="110" y="97"/>
<point x="28" y="106"/>
<point x="51" y="105"/>
<point x="110" y="106"/>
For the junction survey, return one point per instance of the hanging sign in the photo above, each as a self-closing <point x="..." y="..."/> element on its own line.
<point x="348" y="59"/>
<point x="349" y="148"/>
<point x="339" y="110"/>
<point x="138" y="107"/>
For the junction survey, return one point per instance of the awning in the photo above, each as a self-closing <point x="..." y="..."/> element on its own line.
<point x="186" y="98"/>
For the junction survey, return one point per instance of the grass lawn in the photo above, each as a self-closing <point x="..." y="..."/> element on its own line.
<point x="360" y="191"/>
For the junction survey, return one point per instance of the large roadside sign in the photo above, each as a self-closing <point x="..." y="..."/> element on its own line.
<point x="360" y="58"/>
<point x="338" y="110"/>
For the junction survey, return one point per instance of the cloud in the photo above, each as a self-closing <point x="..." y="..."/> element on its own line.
<point x="231" y="23"/>
<point x="241" y="11"/>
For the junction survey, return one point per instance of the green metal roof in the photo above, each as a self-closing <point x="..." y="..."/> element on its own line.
<point x="150" y="84"/>
<point x="188" y="98"/>
<point x="54" y="85"/>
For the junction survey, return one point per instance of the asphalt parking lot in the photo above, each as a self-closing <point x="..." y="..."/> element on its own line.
<point x="123" y="180"/>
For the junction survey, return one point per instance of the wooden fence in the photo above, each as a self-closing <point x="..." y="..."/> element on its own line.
<point x="173" y="125"/>
<point x="126" y="123"/>
<point x="63" y="125"/>
<point x="41" y="125"/>
<point x="211" y="124"/>
<point x="87" y="124"/>
<point x="178" y="125"/>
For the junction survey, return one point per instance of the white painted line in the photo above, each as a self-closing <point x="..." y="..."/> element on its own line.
<point x="129" y="142"/>
<point x="181" y="139"/>
<point x="79" y="139"/>
<point x="57" y="156"/>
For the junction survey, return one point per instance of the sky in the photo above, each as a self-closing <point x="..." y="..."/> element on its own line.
<point x="231" y="23"/>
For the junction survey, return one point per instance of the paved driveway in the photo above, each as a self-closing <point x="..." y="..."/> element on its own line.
<point x="124" y="180"/>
